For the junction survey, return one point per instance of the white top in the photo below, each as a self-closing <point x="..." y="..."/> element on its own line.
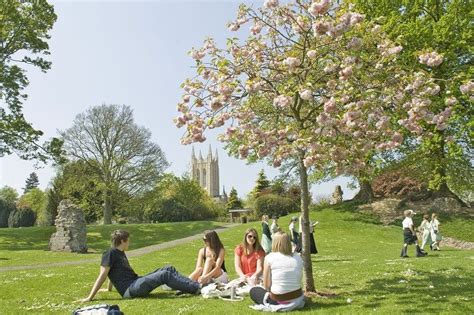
<point x="425" y="225"/>
<point x="407" y="223"/>
<point x="274" y="228"/>
<point x="292" y="226"/>
<point x="435" y="224"/>
<point x="286" y="271"/>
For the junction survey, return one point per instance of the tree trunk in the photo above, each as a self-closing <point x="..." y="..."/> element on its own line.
<point x="107" y="206"/>
<point x="443" y="189"/>
<point x="306" y="254"/>
<point x="365" y="193"/>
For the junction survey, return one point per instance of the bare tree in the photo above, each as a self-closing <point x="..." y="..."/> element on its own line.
<point x="119" y="151"/>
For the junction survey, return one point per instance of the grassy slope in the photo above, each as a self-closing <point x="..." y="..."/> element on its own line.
<point x="357" y="260"/>
<point x="28" y="246"/>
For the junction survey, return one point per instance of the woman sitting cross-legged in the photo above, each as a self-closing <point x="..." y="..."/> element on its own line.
<point x="248" y="258"/>
<point x="282" y="275"/>
<point x="210" y="265"/>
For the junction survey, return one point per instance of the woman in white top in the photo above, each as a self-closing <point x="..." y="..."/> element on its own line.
<point x="274" y="227"/>
<point x="282" y="275"/>
<point x="409" y="235"/>
<point x="435" y="234"/>
<point x="425" y="229"/>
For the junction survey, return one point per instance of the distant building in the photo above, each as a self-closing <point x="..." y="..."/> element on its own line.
<point x="206" y="173"/>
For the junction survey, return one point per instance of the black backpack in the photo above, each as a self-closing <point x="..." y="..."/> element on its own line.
<point x="100" y="309"/>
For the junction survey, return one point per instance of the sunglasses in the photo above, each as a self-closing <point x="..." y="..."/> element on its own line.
<point x="251" y="236"/>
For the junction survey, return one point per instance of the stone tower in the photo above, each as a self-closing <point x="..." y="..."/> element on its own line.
<point x="206" y="172"/>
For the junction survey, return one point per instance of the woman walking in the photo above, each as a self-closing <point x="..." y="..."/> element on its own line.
<point x="425" y="229"/>
<point x="435" y="233"/>
<point x="266" y="235"/>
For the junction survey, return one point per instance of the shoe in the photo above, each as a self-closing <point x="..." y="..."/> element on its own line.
<point x="431" y="246"/>
<point x="419" y="253"/>
<point x="403" y="254"/>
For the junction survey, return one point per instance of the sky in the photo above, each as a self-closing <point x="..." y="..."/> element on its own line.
<point x="132" y="53"/>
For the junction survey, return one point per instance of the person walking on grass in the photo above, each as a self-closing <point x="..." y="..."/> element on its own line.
<point x="312" y="243"/>
<point x="435" y="233"/>
<point x="425" y="229"/>
<point x="266" y="235"/>
<point x="274" y="227"/>
<point x="409" y="235"/>
<point x="116" y="267"/>
<point x="294" y="236"/>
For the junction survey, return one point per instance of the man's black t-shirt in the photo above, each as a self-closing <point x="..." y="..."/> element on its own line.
<point x="121" y="274"/>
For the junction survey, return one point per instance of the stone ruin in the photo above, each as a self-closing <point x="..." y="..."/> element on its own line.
<point x="336" y="196"/>
<point x="70" y="233"/>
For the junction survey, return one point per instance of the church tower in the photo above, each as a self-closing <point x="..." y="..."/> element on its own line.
<point x="206" y="172"/>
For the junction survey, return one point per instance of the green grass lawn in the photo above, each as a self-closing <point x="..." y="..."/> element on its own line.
<point x="29" y="246"/>
<point x="357" y="260"/>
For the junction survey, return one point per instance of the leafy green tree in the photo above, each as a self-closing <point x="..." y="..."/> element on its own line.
<point x="24" y="31"/>
<point x="443" y="156"/>
<point x="31" y="182"/>
<point x="5" y="209"/>
<point x="79" y="183"/>
<point x="262" y="184"/>
<point x="118" y="151"/>
<point x="35" y="199"/>
<point x="234" y="201"/>
<point x="9" y="194"/>
<point x="179" y="199"/>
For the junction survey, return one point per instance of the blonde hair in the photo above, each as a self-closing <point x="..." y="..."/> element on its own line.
<point x="281" y="243"/>
<point x="434" y="215"/>
<point x="264" y="217"/>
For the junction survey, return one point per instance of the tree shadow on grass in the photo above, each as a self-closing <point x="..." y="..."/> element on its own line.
<point x="423" y="293"/>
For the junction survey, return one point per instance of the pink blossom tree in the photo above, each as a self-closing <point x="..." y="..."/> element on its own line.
<point x="311" y="84"/>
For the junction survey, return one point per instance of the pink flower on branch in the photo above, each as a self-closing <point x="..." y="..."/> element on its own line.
<point x="319" y="8"/>
<point x="431" y="59"/>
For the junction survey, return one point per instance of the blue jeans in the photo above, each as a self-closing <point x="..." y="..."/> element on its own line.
<point x="166" y="275"/>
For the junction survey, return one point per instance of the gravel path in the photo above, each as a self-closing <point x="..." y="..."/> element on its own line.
<point x="132" y="253"/>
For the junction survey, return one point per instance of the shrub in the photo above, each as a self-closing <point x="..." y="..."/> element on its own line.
<point x="274" y="205"/>
<point x="21" y="217"/>
<point x="397" y="183"/>
<point x="5" y="209"/>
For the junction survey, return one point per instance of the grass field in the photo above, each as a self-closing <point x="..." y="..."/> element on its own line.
<point x="357" y="260"/>
<point x="29" y="246"/>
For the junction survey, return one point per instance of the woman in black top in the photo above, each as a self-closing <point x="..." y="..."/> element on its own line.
<point x="210" y="265"/>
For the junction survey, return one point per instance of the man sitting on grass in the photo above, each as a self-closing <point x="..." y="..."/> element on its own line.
<point x="115" y="265"/>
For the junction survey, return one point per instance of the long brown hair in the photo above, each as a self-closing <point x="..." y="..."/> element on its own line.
<point x="256" y="246"/>
<point x="214" y="242"/>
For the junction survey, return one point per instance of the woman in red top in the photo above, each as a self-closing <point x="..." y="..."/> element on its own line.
<point x="248" y="258"/>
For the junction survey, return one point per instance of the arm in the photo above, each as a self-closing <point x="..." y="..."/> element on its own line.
<point x="267" y="277"/>
<point x="238" y="266"/>
<point x="217" y="268"/>
<point x="259" y="270"/>
<point x="200" y="258"/>
<point x="104" y="271"/>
